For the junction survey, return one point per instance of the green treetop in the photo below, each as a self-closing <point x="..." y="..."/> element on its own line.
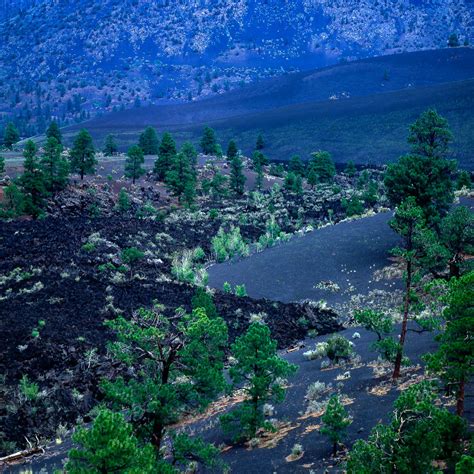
<point x="134" y="162"/>
<point x="258" y="364"/>
<point x="54" y="166"/>
<point x="190" y="152"/>
<point x="350" y="169"/>
<point x="181" y="178"/>
<point x="335" y="422"/>
<point x="296" y="165"/>
<point x="148" y="141"/>
<point x="209" y="141"/>
<point x="260" y="144"/>
<point x="2" y="165"/>
<point x="166" y="154"/>
<point x="108" y="446"/>
<point x="175" y="365"/>
<point x="322" y="164"/>
<point x="32" y="181"/>
<point x="454" y="359"/>
<point x="83" y="160"/>
<point x="419" y="433"/>
<point x="11" y="135"/>
<point x="232" y="150"/>
<point x="237" y="177"/>
<point x="53" y="131"/>
<point x="110" y="145"/>
<point x="425" y="174"/>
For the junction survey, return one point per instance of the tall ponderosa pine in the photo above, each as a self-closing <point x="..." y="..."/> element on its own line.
<point x="257" y="364"/>
<point x="10" y="135"/>
<point x="425" y="174"/>
<point x="323" y="166"/>
<point x="2" y="165"/>
<point x="54" y="166"/>
<point x="134" y="162"/>
<point x="408" y="221"/>
<point x="260" y="143"/>
<point x="175" y="365"/>
<point x="110" y="145"/>
<point x="149" y="141"/>
<point x="209" y="141"/>
<point x="181" y="178"/>
<point x="53" y="131"/>
<point x="237" y="177"/>
<point x="32" y="181"/>
<point x="166" y="154"/>
<point x="454" y="359"/>
<point x="83" y="160"/>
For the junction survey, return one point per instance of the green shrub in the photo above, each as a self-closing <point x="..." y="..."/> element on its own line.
<point x="228" y="245"/>
<point x="240" y="290"/>
<point x="29" y="390"/>
<point x="88" y="247"/>
<point x="339" y="348"/>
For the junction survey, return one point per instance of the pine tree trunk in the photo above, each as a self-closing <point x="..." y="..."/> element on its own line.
<point x="82" y="174"/>
<point x="406" y="308"/>
<point x="460" y="397"/>
<point x="334" y="449"/>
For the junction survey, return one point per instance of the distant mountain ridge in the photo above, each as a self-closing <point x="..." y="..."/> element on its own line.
<point x="358" y="111"/>
<point x="72" y="60"/>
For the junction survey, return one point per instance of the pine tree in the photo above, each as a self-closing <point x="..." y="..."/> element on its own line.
<point x="312" y="177"/>
<point x="425" y="174"/>
<point x="350" y="169"/>
<point x="175" y="364"/>
<point x="258" y="364"/>
<point x="335" y="422"/>
<point x="2" y="165"/>
<point x="11" y="135"/>
<point x="123" y="201"/>
<point x="237" y="177"/>
<point x="110" y="145"/>
<point x="296" y="166"/>
<point x="83" y="160"/>
<point x="148" y="141"/>
<point x="430" y="135"/>
<point x="166" y="154"/>
<point x="464" y="180"/>
<point x="134" y="162"/>
<point x="203" y="299"/>
<point x="322" y="164"/>
<point x="53" y="131"/>
<point x="453" y="40"/>
<point x="454" y="359"/>
<point x="190" y="152"/>
<point x="209" y="141"/>
<point x="260" y="144"/>
<point x="55" y="168"/>
<point x="232" y="150"/>
<point x="32" y="181"/>
<point x="181" y="179"/>
<point x="109" y="445"/>
<point x="419" y="433"/>
<point x="407" y="222"/>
